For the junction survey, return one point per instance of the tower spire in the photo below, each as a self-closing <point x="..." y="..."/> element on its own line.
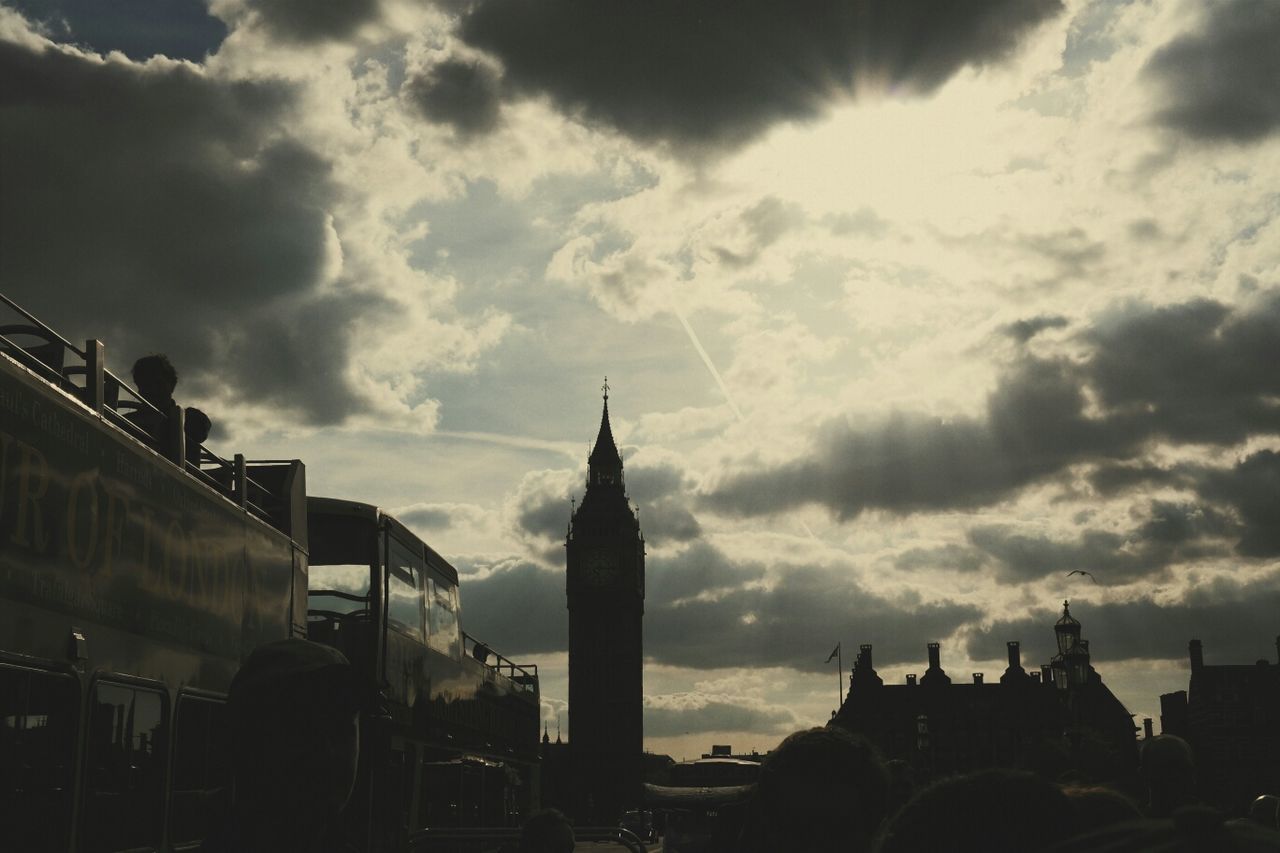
<point x="605" y="462"/>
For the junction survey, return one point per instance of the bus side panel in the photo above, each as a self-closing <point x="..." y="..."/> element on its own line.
<point x="99" y="533"/>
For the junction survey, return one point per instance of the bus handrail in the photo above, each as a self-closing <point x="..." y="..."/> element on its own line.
<point x="424" y="839"/>
<point x="106" y="403"/>
<point x="31" y="318"/>
<point x="349" y="596"/>
<point x="523" y="674"/>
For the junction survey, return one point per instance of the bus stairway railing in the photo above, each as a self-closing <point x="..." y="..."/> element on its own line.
<point x="484" y="840"/>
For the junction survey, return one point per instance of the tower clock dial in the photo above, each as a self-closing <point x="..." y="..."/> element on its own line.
<point x="599" y="568"/>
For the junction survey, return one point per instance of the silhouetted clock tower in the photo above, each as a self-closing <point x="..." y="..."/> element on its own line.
<point x="605" y="587"/>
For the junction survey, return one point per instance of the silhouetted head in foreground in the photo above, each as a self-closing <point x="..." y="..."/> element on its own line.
<point x="294" y="709"/>
<point x="1096" y="806"/>
<point x="822" y="789"/>
<point x="1191" y="829"/>
<point x="1168" y="771"/>
<point x="992" y="811"/>
<point x="155" y="378"/>
<point x="902" y="784"/>
<point x="546" y="831"/>
<point x="1265" y="811"/>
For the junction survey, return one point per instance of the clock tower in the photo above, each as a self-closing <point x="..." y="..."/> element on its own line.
<point x="605" y="587"/>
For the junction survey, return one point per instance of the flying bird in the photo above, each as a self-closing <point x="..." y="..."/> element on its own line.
<point x="1082" y="572"/>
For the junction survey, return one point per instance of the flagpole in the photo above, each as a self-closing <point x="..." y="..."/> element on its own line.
<point x="839" y="676"/>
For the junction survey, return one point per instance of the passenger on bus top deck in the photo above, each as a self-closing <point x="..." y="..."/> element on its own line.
<point x="196" y="425"/>
<point x="155" y="378"/>
<point x="295" y="722"/>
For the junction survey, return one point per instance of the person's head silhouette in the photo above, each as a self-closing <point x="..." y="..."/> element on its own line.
<point x="1168" y="770"/>
<point x="547" y="831"/>
<point x="1006" y="810"/>
<point x="196" y="425"/>
<point x="294" y="709"/>
<point x="155" y="378"/>
<point x="822" y="789"/>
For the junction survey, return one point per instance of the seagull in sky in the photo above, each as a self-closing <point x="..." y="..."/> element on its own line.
<point x="1082" y="572"/>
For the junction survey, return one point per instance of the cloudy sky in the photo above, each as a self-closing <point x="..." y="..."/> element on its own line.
<point x="909" y="309"/>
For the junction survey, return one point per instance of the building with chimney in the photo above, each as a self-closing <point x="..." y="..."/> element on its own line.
<point x="1230" y="714"/>
<point x="1057" y="718"/>
<point x="604" y="584"/>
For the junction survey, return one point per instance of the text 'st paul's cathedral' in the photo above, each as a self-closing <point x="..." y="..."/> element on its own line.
<point x="605" y="588"/>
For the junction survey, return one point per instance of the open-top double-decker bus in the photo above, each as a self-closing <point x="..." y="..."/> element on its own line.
<point x="135" y="577"/>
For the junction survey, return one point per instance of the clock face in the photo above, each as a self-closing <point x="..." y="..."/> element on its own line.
<point x="599" y="568"/>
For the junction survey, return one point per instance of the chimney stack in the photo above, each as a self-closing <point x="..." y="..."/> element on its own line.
<point x="864" y="655"/>
<point x="977" y="679"/>
<point x="1146" y="728"/>
<point x="911" y="679"/>
<point x="1046" y="674"/>
<point x="1197" y="655"/>
<point x="935" y="676"/>
<point x="1015" y="654"/>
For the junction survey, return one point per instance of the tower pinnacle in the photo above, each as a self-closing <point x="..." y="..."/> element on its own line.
<point x="605" y="463"/>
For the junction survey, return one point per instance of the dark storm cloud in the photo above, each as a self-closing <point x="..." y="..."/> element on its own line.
<point x="1034" y="427"/>
<point x="661" y="492"/>
<point x="669" y="521"/>
<point x="693" y="713"/>
<point x="1237" y="623"/>
<point x="794" y="624"/>
<point x="718" y="73"/>
<point x="701" y="568"/>
<point x="311" y="21"/>
<point x="464" y="95"/>
<point x="1173" y="532"/>
<point x="1024" y="330"/>
<point x="1222" y="80"/>
<point x="162" y="210"/>
<point x="1199" y="372"/>
<point x="1249" y="490"/>
<point x="518" y="608"/>
<point x="1112" y="478"/>
<point x="654" y="482"/>
<point x="140" y="29"/>
<point x="1252" y="489"/>
<point x="545" y="517"/>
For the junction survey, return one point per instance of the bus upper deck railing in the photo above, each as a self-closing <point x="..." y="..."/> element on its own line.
<point x="82" y="375"/>
<point x="525" y="675"/>
<point x="486" y="839"/>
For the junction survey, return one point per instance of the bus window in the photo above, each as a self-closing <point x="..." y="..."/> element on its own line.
<point x="38" y="712"/>
<point x="124" y="776"/>
<point x="338" y="589"/>
<point x="201" y="769"/>
<point x="442" y="615"/>
<point x="404" y="590"/>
